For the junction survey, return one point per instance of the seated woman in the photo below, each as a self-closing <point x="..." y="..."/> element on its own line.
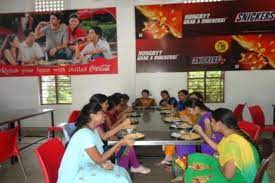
<point x="84" y="160"/>
<point x="103" y="129"/>
<point x="197" y="107"/>
<point x="124" y="103"/>
<point x="167" y="101"/>
<point x="145" y="101"/>
<point x="196" y="95"/>
<point x="123" y="110"/>
<point x="238" y="156"/>
<point x="182" y="95"/>
<point x="181" y="150"/>
<point x="113" y="113"/>
<point x="127" y="156"/>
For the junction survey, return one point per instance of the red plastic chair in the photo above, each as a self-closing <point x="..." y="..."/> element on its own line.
<point x="251" y="129"/>
<point x="258" y="118"/>
<point x="72" y="119"/>
<point x="8" y="146"/>
<point x="238" y="112"/>
<point x="49" y="155"/>
<point x="262" y="169"/>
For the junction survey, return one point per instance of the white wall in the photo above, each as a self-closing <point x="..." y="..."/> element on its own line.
<point x="252" y="87"/>
<point x="23" y="92"/>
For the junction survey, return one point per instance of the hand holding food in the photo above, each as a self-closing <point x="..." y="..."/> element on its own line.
<point x="198" y="129"/>
<point x="126" y="123"/>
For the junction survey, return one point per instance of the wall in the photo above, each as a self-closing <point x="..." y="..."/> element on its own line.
<point x="251" y="87"/>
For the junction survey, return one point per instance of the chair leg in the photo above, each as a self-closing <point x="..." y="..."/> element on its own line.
<point x="22" y="167"/>
<point x="49" y="134"/>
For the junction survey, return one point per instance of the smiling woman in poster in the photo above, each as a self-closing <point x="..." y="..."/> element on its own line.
<point x="10" y="51"/>
<point x="76" y="34"/>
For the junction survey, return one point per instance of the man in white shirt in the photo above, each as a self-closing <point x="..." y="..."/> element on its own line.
<point x="30" y="50"/>
<point x="97" y="46"/>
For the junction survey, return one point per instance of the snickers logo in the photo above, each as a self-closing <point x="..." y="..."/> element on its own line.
<point x="260" y="16"/>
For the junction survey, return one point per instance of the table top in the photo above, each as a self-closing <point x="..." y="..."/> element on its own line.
<point x="9" y="115"/>
<point x="156" y="131"/>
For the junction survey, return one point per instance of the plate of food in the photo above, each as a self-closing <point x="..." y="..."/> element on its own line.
<point x="161" y="108"/>
<point x="134" y="114"/>
<point x="133" y="136"/>
<point x="171" y="119"/>
<point x="190" y="136"/>
<point x="185" y="126"/>
<point x="181" y="125"/>
<point x="133" y="120"/>
<point x="139" y="107"/>
<point x="165" y="112"/>
<point x="176" y="135"/>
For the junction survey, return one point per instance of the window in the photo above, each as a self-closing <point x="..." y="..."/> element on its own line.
<point x="49" y="5"/>
<point x="209" y="83"/>
<point x="55" y="90"/>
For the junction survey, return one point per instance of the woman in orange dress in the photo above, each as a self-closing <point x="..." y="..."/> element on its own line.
<point x="145" y="101"/>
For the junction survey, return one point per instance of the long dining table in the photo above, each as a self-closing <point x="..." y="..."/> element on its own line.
<point x="11" y="117"/>
<point x="157" y="132"/>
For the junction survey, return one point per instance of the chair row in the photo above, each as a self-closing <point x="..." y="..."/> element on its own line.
<point x="257" y="116"/>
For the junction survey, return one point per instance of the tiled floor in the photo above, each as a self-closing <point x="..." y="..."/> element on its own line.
<point x="12" y="173"/>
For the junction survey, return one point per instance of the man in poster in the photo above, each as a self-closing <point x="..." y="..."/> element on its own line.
<point x="56" y="37"/>
<point x="96" y="47"/>
<point x="30" y="50"/>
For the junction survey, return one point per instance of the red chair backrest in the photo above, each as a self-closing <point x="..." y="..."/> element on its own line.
<point x="251" y="129"/>
<point x="238" y="112"/>
<point x="49" y="155"/>
<point x="257" y="115"/>
<point x="262" y="169"/>
<point x="8" y="144"/>
<point x="73" y="116"/>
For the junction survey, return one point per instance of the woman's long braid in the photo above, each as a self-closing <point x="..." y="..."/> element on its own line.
<point x="249" y="139"/>
<point x="226" y="117"/>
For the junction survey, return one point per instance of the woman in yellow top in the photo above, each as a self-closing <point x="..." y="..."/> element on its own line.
<point x="238" y="156"/>
<point x="145" y="101"/>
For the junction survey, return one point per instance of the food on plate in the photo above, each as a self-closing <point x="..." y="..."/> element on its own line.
<point x="133" y="136"/>
<point x="185" y="125"/>
<point x="260" y="50"/>
<point x="164" y="19"/>
<point x="172" y="119"/>
<point x="190" y="136"/>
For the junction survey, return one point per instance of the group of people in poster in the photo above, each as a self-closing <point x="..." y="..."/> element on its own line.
<point x="61" y="42"/>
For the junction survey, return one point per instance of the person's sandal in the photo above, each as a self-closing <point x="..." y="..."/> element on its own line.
<point x="164" y="163"/>
<point x="177" y="179"/>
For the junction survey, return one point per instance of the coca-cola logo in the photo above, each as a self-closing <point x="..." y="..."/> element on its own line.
<point x="101" y="68"/>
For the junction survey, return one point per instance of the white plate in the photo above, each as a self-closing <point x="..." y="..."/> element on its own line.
<point x="173" y="126"/>
<point x="176" y="135"/>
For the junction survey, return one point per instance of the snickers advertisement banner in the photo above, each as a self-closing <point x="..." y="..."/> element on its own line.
<point x="230" y="35"/>
<point x="71" y="42"/>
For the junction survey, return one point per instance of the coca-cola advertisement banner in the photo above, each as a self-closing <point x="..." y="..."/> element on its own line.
<point x="229" y="35"/>
<point x="71" y="42"/>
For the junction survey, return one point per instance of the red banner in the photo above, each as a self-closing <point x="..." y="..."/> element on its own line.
<point x="72" y="42"/>
<point x="235" y="35"/>
<point x="99" y="66"/>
